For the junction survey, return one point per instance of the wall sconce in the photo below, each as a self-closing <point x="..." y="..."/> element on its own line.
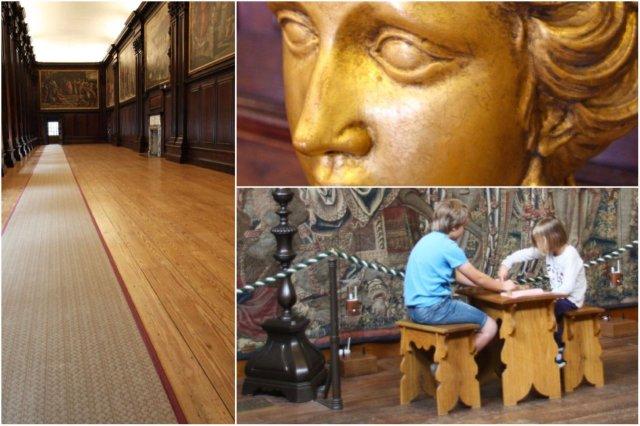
<point x="615" y="275"/>
<point x="354" y="306"/>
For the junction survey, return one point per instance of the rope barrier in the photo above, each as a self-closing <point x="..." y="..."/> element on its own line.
<point x="399" y="273"/>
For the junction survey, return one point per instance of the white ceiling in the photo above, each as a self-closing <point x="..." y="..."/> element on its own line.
<point x="75" y="31"/>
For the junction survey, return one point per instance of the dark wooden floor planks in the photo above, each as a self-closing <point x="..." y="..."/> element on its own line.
<point x="375" y="399"/>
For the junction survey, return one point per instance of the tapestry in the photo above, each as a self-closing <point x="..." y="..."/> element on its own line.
<point x="384" y="225"/>
<point x="211" y="33"/>
<point x="110" y="85"/>
<point x="127" y="72"/>
<point x="69" y="89"/>
<point x="157" y="42"/>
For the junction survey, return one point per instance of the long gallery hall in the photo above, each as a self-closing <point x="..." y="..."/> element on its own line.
<point x="117" y="212"/>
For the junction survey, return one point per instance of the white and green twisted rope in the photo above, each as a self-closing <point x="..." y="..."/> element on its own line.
<point x="400" y="272"/>
<point x="317" y="258"/>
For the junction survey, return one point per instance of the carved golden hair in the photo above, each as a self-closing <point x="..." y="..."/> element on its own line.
<point x="581" y="84"/>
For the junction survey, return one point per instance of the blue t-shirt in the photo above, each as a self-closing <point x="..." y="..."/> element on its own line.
<point x="430" y="269"/>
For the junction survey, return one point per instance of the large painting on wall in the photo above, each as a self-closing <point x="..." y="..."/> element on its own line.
<point x="156" y="44"/>
<point x="69" y="89"/>
<point x="127" y="72"/>
<point x="111" y="85"/>
<point x="211" y="33"/>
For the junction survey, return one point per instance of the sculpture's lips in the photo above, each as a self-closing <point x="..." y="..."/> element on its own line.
<point x="336" y="169"/>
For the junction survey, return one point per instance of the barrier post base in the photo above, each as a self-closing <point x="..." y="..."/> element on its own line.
<point x="288" y="363"/>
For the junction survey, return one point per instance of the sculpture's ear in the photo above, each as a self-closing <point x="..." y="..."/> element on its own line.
<point x="586" y="69"/>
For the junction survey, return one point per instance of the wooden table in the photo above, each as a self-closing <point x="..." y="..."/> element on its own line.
<point x="526" y="326"/>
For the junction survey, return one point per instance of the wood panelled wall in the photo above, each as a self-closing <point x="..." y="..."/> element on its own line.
<point x="19" y="128"/>
<point x="75" y="126"/>
<point x="197" y="109"/>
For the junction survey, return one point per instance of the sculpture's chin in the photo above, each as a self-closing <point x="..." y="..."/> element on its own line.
<point x="337" y="178"/>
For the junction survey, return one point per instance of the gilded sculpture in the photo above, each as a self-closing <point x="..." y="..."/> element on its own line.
<point x="397" y="93"/>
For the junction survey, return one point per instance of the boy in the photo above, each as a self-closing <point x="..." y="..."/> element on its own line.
<point x="433" y="265"/>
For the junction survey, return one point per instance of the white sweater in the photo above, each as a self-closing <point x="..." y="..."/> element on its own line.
<point x="566" y="271"/>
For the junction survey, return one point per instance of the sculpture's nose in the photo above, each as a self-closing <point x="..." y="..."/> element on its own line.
<point x="330" y="121"/>
<point x="352" y="140"/>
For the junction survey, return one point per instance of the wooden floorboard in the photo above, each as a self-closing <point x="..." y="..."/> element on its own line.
<point x="14" y="181"/>
<point x="170" y="229"/>
<point x="375" y="399"/>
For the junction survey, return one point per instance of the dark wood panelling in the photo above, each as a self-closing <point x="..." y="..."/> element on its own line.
<point x="129" y="125"/>
<point x="166" y="125"/>
<point x="111" y="125"/>
<point x="76" y="126"/>
<point x="19" y="117"/>
<point x="156" y="101"/>
<point x="199" y="101"/>
<point x="210" y="121"/>
<point x="225" y="123"/>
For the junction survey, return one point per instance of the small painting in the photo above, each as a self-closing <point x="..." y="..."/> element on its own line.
<point x="69" y="89"/>
<point x="211" y="33"/>
<point x="156" y="44"/>
<point x="127" y="72"/>
<point x="111" y="85"/>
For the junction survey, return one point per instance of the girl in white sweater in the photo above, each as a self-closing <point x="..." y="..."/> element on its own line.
<point x="565" y="269"/>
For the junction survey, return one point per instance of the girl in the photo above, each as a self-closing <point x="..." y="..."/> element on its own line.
<point x="565" y="269"/>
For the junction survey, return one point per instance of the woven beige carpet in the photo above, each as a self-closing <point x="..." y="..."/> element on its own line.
<point x="72" y="351"/>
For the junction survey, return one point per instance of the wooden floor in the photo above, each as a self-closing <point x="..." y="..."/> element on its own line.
<point x="170" y="229"/>
<point x="14" y="181"/>
<point x="375" y="399"/>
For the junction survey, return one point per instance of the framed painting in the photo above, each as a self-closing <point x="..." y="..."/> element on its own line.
<point x="156" y="45"/>
<point x="211" y="33"/>
<point x="127" y="72"/>
<point x="69" y="89"/>
<point x="110" y="85"/>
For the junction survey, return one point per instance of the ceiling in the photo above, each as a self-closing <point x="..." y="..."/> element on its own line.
<point x="75" y="31"/>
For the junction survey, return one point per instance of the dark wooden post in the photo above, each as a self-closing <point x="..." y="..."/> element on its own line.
<point x="176" y="146"/>
<point x="20" y="45"/>
<point x="13" y="97"/>
<point x="30" y="88"/>
<point x="284" y="242"/>
<point x="8" y="130"/>
<point x="116" y="97"/>
<point x="138" y="47"/>
<point x="288" y="363"/>
<point x="335" y="403"/>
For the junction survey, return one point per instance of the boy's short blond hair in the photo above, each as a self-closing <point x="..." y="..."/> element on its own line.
<point x="549" y="235"/>
<point x="449" y="214"/>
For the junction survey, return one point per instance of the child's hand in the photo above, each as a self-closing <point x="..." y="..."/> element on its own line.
<point x="508" y="286"/>
<point x="503" y="273"/>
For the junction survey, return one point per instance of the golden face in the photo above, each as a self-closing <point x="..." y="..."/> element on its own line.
<point x="404" y="93"/>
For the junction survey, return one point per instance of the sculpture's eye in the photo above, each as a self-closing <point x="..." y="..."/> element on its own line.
<point x="404" y="56"/>
<point x="298" y="33"/>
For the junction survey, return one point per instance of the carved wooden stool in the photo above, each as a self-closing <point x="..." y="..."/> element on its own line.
<point x="453" y="351"/>
<point x="582" y="348"/>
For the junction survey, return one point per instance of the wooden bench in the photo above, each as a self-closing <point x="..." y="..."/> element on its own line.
<point x="453" y="350"/>
<point x="582" y="347"/>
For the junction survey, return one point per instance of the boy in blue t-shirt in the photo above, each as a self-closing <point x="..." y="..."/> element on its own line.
<point x="434" y="263"/>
